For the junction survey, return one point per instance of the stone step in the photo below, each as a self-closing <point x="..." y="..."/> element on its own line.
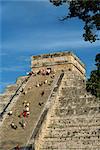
<point x="80" y="83"/>
<point x="33" y="96"/>
<point x="67" y="144"/>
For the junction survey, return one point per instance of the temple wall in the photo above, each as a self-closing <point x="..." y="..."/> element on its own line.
<point x="62" y="61"/>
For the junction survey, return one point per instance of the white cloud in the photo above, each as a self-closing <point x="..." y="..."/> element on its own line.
<point x="12" y="69"/>
<point x="49" y="42"/>
<point x="5" y="83"/>
<point x="74" y="44"/>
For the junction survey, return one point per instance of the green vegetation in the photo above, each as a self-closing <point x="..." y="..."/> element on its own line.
<point x="86" y="10"/>
<point x="93" y="83"/>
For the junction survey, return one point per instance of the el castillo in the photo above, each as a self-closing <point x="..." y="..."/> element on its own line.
<point x="49" y="108"/>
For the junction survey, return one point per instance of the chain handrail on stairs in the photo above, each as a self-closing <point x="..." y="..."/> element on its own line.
<point x="10" y="100"/>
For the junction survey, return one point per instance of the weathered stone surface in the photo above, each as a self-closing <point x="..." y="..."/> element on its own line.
<point x="65" y="117"/>
<point x="73" y="119"/>
<point x="10" y="137"/>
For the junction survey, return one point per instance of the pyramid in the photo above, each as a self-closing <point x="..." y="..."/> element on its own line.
<point x="63" y="115"/>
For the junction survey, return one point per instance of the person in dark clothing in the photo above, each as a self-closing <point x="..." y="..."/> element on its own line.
<point x="17" y="147"/>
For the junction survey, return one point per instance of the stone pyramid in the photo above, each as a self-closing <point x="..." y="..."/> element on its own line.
<point x="63" y="116"/>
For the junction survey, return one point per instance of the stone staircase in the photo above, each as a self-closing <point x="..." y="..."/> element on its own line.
<point x="63" y="116"/>
<point x="73" y="119"/>
<point x="46" y="107"/>
<point x="10" y="137"/>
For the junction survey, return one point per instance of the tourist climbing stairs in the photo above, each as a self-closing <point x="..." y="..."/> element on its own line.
<point x="17" y="127"/>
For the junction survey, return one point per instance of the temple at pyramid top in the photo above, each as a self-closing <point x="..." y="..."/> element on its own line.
<point x="58" y="61"/>
<point x="50" y="109"/>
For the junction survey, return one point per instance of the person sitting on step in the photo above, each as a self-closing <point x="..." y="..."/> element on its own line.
<point x="13" y="126"/>
<point x="42" y="93"/>
<point x="10" y="113"/>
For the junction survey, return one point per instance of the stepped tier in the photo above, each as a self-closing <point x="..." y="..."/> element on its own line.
<point x="50" y="108"/>
<point x="73" y="120"/>
<point x="10" y="137"/>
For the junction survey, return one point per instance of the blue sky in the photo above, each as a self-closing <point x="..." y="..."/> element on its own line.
<point x="32" y="27"/>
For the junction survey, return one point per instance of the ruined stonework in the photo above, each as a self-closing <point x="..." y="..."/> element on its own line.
<point x="65" y="117"/>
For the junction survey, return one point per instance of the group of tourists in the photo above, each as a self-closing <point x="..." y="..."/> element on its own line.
<point x="43" y="71"/>
<point x="24" y="114"/>
<point x="26" y="110"/>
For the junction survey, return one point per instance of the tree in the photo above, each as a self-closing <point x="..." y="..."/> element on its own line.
<point x="93" y="83"/>
<point x="97" y="59"/>
<point x="86" y="10"/>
